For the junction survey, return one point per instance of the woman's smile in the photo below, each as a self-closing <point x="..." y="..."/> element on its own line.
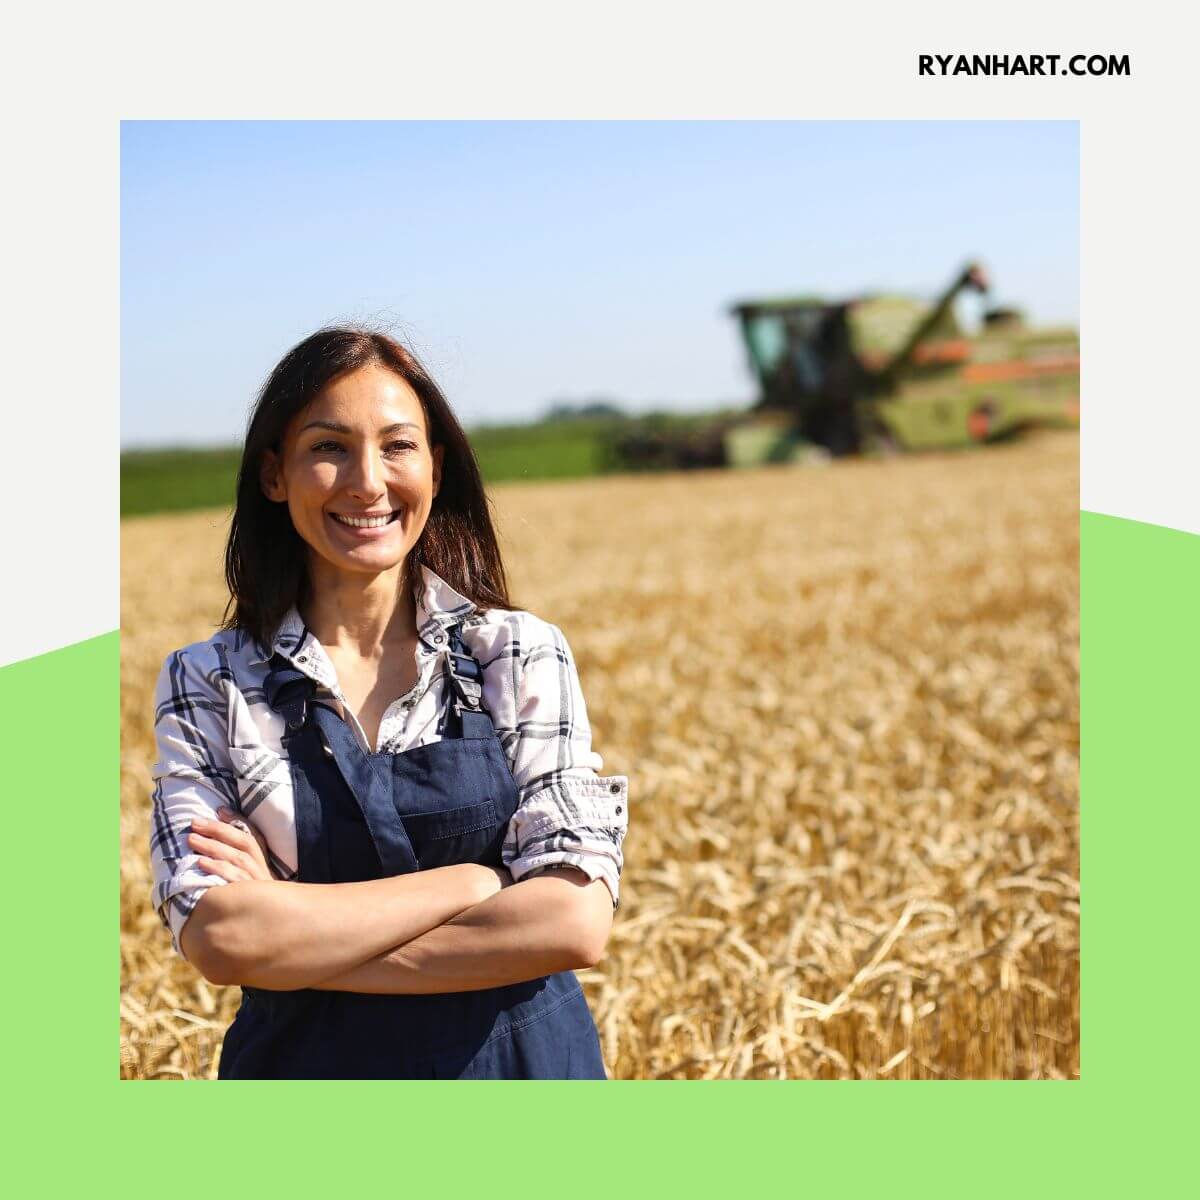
<point x="367" y="525"/>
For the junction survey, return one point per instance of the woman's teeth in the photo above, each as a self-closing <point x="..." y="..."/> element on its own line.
<point x="364" y="522"/>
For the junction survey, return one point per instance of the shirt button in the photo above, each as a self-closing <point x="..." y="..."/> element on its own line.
<point x="618" y="810"/>
<point x="302" y="658"/>
<point x="439" y="638"/>
<point x="615" y="788"/>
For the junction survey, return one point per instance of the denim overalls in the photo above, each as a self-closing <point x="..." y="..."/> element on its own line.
<point x="367" y="816"/>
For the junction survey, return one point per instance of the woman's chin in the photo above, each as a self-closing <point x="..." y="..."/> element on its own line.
<point x="364" y="560"/>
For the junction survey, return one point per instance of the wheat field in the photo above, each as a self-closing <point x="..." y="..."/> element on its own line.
<point x="847" y="702"/>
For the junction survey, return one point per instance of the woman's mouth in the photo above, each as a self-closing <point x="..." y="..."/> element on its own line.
<point x="365" y="523"/>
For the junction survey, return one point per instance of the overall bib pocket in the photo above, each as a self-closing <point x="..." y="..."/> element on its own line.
<point x="470" y="833"/>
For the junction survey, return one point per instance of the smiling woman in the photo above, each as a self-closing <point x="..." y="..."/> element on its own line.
<point x="376" y="804"/>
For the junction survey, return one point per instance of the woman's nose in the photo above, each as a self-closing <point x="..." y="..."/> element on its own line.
<point x="367" y="475"/>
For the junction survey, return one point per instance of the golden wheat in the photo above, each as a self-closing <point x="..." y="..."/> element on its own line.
<point x="847" y="701"/>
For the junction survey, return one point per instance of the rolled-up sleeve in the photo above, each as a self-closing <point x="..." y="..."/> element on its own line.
<point x="568" y="814"/>
<point x="191" y="781"/>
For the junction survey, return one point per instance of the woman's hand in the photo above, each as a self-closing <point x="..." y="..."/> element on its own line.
<point x="230" y="847"/>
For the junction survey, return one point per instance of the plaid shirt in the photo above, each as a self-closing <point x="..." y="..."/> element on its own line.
<point x="220" y="743"/>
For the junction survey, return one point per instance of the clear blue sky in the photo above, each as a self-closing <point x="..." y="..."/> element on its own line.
<point x="544" y="261"/>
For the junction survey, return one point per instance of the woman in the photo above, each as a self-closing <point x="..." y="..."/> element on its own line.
<point x="376" y="806"/>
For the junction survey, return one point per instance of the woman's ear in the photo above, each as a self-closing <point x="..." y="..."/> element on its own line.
<point x="438" y="451"/>
<point x="270" y="477"/>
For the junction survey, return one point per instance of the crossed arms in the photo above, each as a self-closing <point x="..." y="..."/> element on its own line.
<point x="450" y="929"/>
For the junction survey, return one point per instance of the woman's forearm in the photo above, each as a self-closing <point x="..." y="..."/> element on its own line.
<point x="280" y="935"/>
<point x="555" y="922"/>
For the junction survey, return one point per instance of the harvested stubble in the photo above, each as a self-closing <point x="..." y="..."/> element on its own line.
<point x="847" y="701"/>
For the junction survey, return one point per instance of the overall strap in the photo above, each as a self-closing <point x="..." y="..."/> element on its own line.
<point x="371" y="787"/>
<point x="288" y="691"/>
<point x="313" y="731"/>
<point x="466" y="717"/>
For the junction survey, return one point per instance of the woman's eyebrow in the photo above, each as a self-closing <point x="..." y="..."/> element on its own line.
<point x="335" y="427"/>
<point x="330" y="425"/>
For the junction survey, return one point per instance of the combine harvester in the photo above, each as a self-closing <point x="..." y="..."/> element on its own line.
<point x="880" y="374"/>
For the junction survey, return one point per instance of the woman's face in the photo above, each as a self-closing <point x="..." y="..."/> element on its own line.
<point x="357" y="473"/>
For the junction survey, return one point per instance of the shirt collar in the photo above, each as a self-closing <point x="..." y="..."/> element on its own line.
<point x="438" y="606"/>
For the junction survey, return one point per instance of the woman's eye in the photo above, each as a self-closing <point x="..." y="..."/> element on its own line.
<point x="336" y="447"/>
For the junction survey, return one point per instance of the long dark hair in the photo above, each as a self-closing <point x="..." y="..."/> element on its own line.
<point x="265" y="556"/>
